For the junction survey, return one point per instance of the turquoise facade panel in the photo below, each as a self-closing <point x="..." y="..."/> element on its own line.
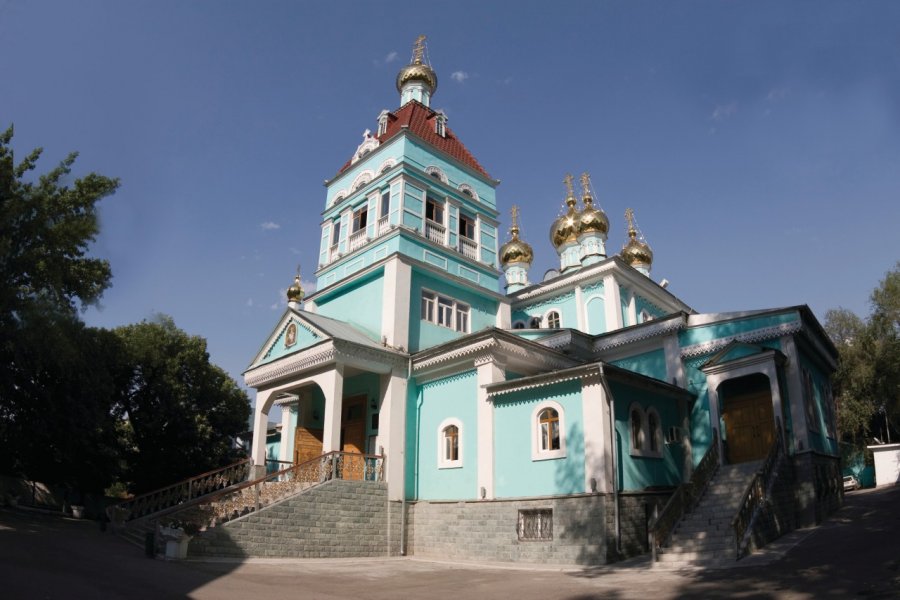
<point x="595" y="313"/>
<point x="516" y="473"/>
<point x="421" y="157"/>
<point x="642" y="472"/>
<point x="450" y="398"/>
<point x="623" y="301"/>
<point x="341" y="185"/>
<point x="345" y="305"/>
<point x="819" y="406"/>
<point x="304" y="337"/>
<point x="642" y="305"/>
<point x="706" y="333"/>
<point x="651" y="364"/>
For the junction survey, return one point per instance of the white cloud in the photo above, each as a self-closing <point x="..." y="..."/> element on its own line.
<point x="459" y="76"/>
<point x="776" y="94"/>
<point x="391" y="57"/>
<point x="294" y="251"/>
<point x="723" y="111"/>
<point x="269" y="225"/>
<point x="249" y="301"/>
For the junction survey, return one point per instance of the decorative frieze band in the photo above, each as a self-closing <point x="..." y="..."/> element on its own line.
<point x="644" y="332"/>
<point x="757" y="335"/>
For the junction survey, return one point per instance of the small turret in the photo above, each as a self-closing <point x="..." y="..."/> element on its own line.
<point x="417" y="80"/>
<point x="516" y="257"/>
<point x="295" y="292"/>
<point x="592" y="227"/>
<point x="564" y="230"/>
<point x="636" y="252"/>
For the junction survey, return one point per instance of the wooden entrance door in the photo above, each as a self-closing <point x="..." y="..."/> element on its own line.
<point x="353" y="434"/>
<point x="307" y="444"/>
<point x="749" y="426"/>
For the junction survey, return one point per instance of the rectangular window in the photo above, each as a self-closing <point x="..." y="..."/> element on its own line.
<point x="359" y="219"/>
<point x="434" y="211"/>
<point x="462" y="317"/>
<point x="445" y="312"/>
<point x="385" y="203"/>
<point x="335" y="233"/>
<point x="466" y="226"/>
<point x="536" y="525"/>
<point x="428" y="307"/>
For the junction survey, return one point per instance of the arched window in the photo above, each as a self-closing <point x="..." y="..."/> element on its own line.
<point x="549" y="423"/>
<point x="637" y="429"/>
<point x="653" y="431"/>
<point x="553" y="321"/>
<point x="548" y="432"/>
<point x="535" y="323"/>
<point x="450" y="444"/>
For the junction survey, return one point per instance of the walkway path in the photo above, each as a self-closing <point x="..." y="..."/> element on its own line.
<point x="854" y="554"/>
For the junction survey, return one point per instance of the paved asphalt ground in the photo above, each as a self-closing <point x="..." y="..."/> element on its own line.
<point x="855" y="554"/>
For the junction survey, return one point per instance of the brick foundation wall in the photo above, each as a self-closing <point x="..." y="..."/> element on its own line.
<point x="583" y="529"/>
<point x="334" y="520"/>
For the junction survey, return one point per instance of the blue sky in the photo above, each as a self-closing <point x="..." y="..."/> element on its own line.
<point x="758" y="142"/>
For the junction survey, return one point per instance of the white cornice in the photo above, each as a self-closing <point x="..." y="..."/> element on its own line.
<point x="291" y="364"/>
<point x="640" y="332"/>
<point x="757" y="335"/>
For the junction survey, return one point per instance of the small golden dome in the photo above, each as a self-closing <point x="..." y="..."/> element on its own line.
<point x="515" y="250"/>
<point x="418" y="69"/>
<point x="565" y="228"/>
<point x="295" y="292"/>
<point x="593" y="219"/>
<point x="635" y="252"/>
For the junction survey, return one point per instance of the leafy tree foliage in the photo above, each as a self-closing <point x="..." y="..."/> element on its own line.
<point x="867" y="383"/>
<point x="183" y="411"/>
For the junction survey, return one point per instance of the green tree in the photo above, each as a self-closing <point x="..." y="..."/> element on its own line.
<point x="183" y="412"/>
<point x="57" y="385"/>
<point x="867" y="383"/>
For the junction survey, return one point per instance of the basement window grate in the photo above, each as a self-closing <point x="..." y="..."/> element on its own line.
<point x="536" y="525"/>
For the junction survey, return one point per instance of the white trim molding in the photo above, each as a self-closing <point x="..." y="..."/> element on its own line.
<point x="537" y="450"/>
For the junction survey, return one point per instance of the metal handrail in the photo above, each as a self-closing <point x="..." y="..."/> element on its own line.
<point x="755" y="495"/>
<point x="685" y="498"/>
<point x="252" y="495"/>
<point x="180" y="492"/>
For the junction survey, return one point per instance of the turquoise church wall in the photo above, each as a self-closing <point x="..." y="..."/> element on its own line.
<point x="651" y="364"/>
<point x="451" y="397"/>
<point x="342" y="183"/>
<point x="347" y="304"/>
<point x="820" y="417"/>
<point x="423" y="334"/>
<point x="706" y="333"/>
<point x="376" y="250"/>
<point x="639" y="472"/>
<point x="515" y="473"/>
<point x="641" y="304"/>
<point x="595" y="311"/>
<point x="421" y="157"/>
<point x="273" y="446"/>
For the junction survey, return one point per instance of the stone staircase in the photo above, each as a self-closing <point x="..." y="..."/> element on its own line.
<point x="705" y="537"/>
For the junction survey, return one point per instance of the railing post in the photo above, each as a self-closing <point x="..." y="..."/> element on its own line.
<point x="334" y="459"/>
<point x="190" y="489"/>
<point x="256" y="494"/>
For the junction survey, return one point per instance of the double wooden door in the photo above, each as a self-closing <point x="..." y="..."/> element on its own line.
<point x="749" y="426"/>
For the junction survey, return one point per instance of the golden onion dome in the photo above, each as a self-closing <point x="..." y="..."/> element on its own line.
<point x="515" y="250"/>
<point x="295" y="292"/>
<point x="418" y="69"/>
<point x="593" y="219"/>
<point x="635" y="252"/>
<point x="565" y="228"/>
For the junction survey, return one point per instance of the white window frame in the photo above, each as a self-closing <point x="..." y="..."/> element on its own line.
<point x="545" y="320"/>
<point x="643" y="448"/>
<point x="442" y="461"/>
<point x="537" y="452"/>
<point x="436" y="304"/>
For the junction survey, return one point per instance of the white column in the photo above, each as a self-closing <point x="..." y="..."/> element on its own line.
<point x="504" y="315"/>
<point x="395" y="303"/>
<point x="674" y="366"/>
<point x="332" y="385"/>
<point x="285" y="450"/>
<point x="712" y="390"/>
<point x="579" y="309"/>
<point x="392" y="430"/>
<point x="597" y="448"/>
<point x="632" y="309"/>
<point x="612" y="303"/>
<point x="795" y="393"/>
<point x="260" y="425"/>
<point x="488" y="371"/>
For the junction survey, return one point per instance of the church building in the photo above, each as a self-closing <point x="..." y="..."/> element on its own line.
<point x="516" y="416"/>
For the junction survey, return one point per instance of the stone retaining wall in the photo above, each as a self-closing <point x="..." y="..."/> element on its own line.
<point x="334" y="520"/>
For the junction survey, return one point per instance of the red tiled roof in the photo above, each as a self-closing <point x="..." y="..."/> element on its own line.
<point x="419" y="120"/>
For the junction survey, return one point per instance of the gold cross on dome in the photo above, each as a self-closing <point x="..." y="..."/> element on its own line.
<point x="515" y="215"/>
<point x="568" y="181"/>
<point x="419" y="50"/>
<point x="586" y="183"/>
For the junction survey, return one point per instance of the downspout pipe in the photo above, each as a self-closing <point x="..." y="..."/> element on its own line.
<point x="610" y="400"/>
<point x="403" y="486"/>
